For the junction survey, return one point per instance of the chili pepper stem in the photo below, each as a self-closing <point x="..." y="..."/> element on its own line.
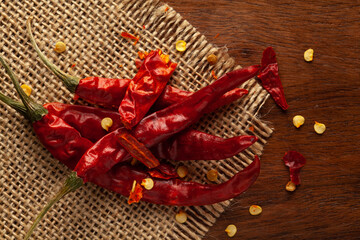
<point x="72" y="183"/>
<point x="34" y="111"/>
<point x="19" y="107"/>
<point x="71" y="82"/>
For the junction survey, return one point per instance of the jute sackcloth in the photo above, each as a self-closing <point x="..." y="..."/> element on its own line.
<point x="91" y="30"/>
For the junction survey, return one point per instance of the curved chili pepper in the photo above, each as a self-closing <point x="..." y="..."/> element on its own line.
<point x="189" y="145"/>
<point x="63" y="141"/>
<point x="269" y="77"/>
<point x="175" y="191"/>
<point x="145" y="87"/>
<point x="160" y="125"/>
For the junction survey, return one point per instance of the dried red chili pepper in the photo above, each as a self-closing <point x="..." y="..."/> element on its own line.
<point x="190" y="145"/>
<point x="176" y="191"/>
<point x="269" y="77"/>
<point x="145" y="88"/>
<point x="63" y="141"/>
<point x="295" y="161"/>
<point x="160" y="125"/>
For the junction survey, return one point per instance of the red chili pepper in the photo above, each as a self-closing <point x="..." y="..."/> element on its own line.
<point x="295" y="161"/>
<point x="269" y="77"/>
<point x="145" y="88"/>
<point x="196" y="145"/>
<point x="178" y="192"/>
<point x="160" y="125"/>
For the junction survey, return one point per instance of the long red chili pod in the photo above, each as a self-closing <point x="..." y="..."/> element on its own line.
<point x="137" y="149"/>
<point x="178" y="192"/>
<point x="269" y="77"/>
<point x="160" y="125"/>
<point x="190" y="145"/>
<point x="145" y="88"/>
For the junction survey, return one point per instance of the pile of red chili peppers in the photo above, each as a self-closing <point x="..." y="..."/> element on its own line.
<point x="152" y="122"/>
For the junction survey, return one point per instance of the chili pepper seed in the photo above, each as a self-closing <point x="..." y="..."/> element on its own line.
<point x="298" y="120"/>
<point x="60" y="47"/>
<point x="255" y="210"/>
<point x="212" y="175"/>
<point x="319" y="127"/>
<point x="26" y="89"/>
<point x="181" y="217"/>
<point x="182" y="171"/>
<point x="290" y="186"/>
<point x="308" y="55"/>
<point x="147" y="183"/>
<point x="212" y="59"/>
<point x="181" y="45"/>
<point x="106" y="123"/>
<point x="231" y="230"/>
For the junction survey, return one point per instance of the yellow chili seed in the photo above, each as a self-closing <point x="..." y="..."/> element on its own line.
<point x="231" y="230"/>
<point x="308" y="55"/>
<point x="298" y="120"/>
<point x="147" y="183"/>
<point x="181" y="217"/>
<point x="60" y="47"/>
<point x="212" y="59"/>
<point x="106" y="123"/>
<point x="319" y="127"/>
<point x="212" y="175"/>
<point x="290" y="186"/>
<point x="181" y="45"/>
<point x="26" y="89"/>
<point x="182" y="171"/>
<point x="255" y="210"/>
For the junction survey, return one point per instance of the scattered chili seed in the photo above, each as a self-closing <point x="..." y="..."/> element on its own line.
<point x="217" y="35"/>
<point x="212" y="59"/>
<point x="251" y="128"/>
<point x="60" y="47"/>
<point x="319" y="127"/>
<point x="231" y="230"/>
<point x="298" y="120"/>
<point x="181" y="217"/>
<point x="106" y="123"/>
<point x="180" y="45"/>
<point x="73" y="65"/>
<point x="308" y="55"/>
<point x="147" y="183"/>
<point x="213" y="74"/>
<point x="255" y="210"/>
<point x="290" y="186"/>
<point x="26" y="89"/>
<point x="182" y="171"/>
<point x="212" y="175"/>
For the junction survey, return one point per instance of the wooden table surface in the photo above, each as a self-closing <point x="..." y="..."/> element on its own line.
<point x="327" y="90"/>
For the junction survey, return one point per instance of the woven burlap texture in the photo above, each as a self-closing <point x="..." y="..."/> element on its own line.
<point x="91" y="30"/>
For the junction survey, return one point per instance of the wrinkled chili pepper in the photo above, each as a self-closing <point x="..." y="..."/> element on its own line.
<point x="109" y="92"/>
<point x="145" y="88"/>
<point x="160" y="125"/>
<point x="202" y="146"/>
<point x="175" y="191"/>
<point x="295" y="161"/>
<point x="63" y="141"/>
<point x="269" y="77"/>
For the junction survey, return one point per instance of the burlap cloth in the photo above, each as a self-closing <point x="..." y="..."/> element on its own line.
<point x="91" y="31"/>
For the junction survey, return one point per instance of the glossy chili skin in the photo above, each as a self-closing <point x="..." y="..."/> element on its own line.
<point x="270" y="79"/>
<point x="190" y="145"/>
<point x="175" y="191"/>
<point x="145" y="88"/>
<point x="160" y="125"/>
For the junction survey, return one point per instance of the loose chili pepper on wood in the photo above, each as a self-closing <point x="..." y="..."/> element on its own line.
<point x="145" y="88"/>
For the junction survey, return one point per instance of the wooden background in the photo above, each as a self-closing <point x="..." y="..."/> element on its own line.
<point x="327" y="90"/>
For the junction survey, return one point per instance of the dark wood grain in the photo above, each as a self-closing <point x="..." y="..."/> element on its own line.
<point x="327" y="204"/>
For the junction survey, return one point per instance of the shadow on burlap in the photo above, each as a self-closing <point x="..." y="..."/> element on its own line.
<point x="91" y="30"/>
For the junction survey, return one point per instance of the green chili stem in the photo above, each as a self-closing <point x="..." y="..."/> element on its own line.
<point x="71" y="82"/>
<point x="35" y="111"/>
<point x="72" y="183"/>
<point x="18" y="106"/>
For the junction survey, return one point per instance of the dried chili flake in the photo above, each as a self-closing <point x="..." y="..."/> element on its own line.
<point x="142" y="55"/>
<point x="144" y="27"/>
<point x="213" y="74"/>
<point x="73" y="65"/>
<point x="130" y="36"/>
<point x="217" y="35"/>
<point x="295" y="161"/>
<point x="166" y="9"/>
<point x="136" y="193"/>
<point x="251" y="128"/>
